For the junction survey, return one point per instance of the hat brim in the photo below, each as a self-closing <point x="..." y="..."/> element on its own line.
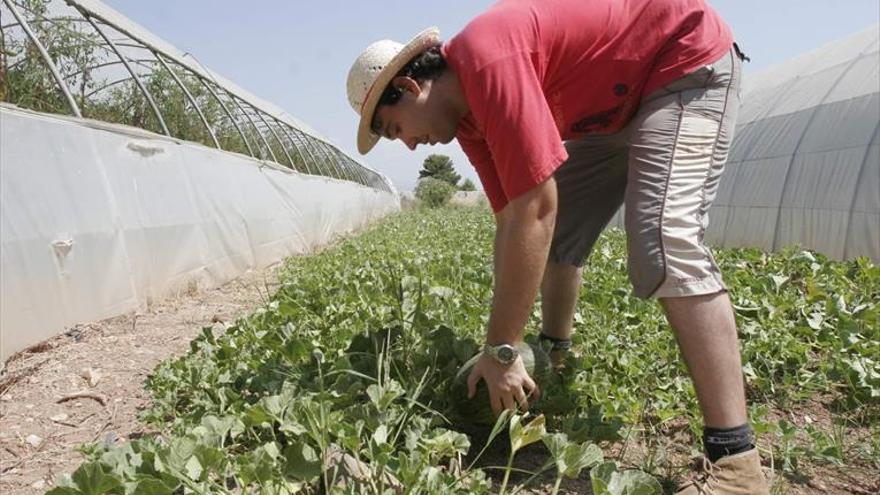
<point x="366" y="138"/>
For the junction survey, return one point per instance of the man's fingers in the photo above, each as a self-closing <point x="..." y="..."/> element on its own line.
<point x="534" y="390"/>
<point x="472" y="381"/>
<point x="497" y="406"/>
<point x="522" y="399"/>
<point x="507" y="401"/>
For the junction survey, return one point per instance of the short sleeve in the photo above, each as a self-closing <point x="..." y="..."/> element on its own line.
<point x="509" y="106"/>
<point x="478" y="153"/>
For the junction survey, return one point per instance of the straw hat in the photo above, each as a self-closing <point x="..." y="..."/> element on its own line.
<point x="371" y="73"/>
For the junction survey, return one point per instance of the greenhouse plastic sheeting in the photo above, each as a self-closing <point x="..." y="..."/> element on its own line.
<point x="97" y="219"/>
<point x="804" y="168"/>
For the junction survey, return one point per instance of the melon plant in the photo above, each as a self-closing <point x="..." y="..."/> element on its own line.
<point x="359" y="351"/>
<point x="477" y="411"/>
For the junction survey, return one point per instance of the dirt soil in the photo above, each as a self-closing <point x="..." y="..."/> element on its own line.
<point x="87" y="383"/>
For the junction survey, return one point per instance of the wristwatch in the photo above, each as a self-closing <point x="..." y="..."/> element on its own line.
<point x="505" y="354"/>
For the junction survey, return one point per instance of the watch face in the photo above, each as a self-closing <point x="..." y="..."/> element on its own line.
<point x="505" y="354"/>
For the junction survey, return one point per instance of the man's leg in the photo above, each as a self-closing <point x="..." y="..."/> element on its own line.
<point x="706" y="332"/>
<point x="590" y="185"/>
<point x="559" y="294"/>
<point x="680" y="141"/>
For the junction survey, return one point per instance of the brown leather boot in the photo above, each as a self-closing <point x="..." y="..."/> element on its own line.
<point x="738" y="474"/>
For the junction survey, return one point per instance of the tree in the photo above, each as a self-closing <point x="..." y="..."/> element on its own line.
<point x="439" y="167"/>
<point x="467" y="185"/>
<point x="434" y="192"/>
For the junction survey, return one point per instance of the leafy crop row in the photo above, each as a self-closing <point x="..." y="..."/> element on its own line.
<point x="353" y="356"/>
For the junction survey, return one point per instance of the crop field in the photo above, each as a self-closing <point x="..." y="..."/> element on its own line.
<point x="341" y="381"/>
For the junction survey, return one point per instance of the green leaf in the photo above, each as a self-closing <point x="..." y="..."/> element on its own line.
<point x="64" y="490"/>
<point x="634" y="482"/>
<point x="301" y="462"/>
<point x="91" y="479"/>
<point x="520" y="435"/>
<point x="572" y="457"/>
<point x="193" y="468"/>
<point x="380" y="436"/>
<point x="447" y="443"/>
<point x="152" y="486"/>
<point x="607" y="480"/>
<point x="580" y="456"/>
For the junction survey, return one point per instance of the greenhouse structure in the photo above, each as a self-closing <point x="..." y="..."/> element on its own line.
<point x="804" y="167"/>
<point x="805" y="163"/>
<point x="124" y="165"/>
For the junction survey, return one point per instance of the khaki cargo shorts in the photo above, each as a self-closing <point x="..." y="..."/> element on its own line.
<point x="664" y="167"/>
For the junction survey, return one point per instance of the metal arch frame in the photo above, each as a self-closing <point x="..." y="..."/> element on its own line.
<point x="137" y="61"/>
<point x="137" y="79"/>
<point x="275" y="135"/>
<point x="293" y="145"/>
<point x="328" y="149"/>
<point x="108" y="85"/>
<point x="309" y="147"/>
<point x="349" y="163"/>
<point x="298" y="134"/>
<point x="288" y="145"/>
<point x="355" y="168"/>
<point x="84" y="41"/>
<point x="343" y="163"/>
<point x="342" y="173"/>
<point x="45" y="19"/>
<point x="189" y="97"/>
<point x="244" y="138"/>
<point x="305" y="142"/>
<point x="318" y="144"/>
<point x="254" y="125"/>
<point x="62" y="85"/>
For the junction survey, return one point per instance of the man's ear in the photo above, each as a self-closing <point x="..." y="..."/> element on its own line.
<point x="407" y="84"/>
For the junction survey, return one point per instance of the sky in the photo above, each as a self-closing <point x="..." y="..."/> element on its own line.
<point x="296" y="54"/>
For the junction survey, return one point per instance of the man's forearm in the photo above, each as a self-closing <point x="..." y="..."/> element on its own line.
<point x="522" y="243"/>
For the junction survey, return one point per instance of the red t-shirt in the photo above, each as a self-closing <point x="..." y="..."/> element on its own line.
<point x="538" y="72"/>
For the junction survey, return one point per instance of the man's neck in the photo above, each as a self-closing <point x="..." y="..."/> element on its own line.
<point x="450" y="88"/>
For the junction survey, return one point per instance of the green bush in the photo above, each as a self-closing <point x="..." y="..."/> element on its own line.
<point x="467" y="185"/>
<point x="434" y="192"/>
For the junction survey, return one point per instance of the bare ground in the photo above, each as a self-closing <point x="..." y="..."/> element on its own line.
<point x="40" y="430"/>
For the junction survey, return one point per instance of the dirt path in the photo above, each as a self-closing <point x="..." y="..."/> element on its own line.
<point x="106" y="364"/>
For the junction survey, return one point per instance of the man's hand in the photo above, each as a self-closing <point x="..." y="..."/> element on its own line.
<point x="506" y="383"/>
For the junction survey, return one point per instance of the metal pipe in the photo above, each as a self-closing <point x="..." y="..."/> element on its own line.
<point x="253" y="124"/>
<point x="342" y="172"/>
<point x="244" y="138"/>
<point x="137" y="79"/>
<point x="102" y="88"/>
<point x="312" y="142"/>
<point x="138" y="61"/>
<point x="359" y="170"/>
<point x="355" y="168"/>
<point x="302" y="142"/>
<point x="45" y="19"/>
<point x="341" y="163"/>
<point x="49" y="62"/>
<point x="189" y="96"/>
<point x="286" y="130"/>
<point x="289" y="159"/>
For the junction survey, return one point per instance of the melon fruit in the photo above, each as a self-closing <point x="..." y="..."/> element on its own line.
<point x="477" y="411"/>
